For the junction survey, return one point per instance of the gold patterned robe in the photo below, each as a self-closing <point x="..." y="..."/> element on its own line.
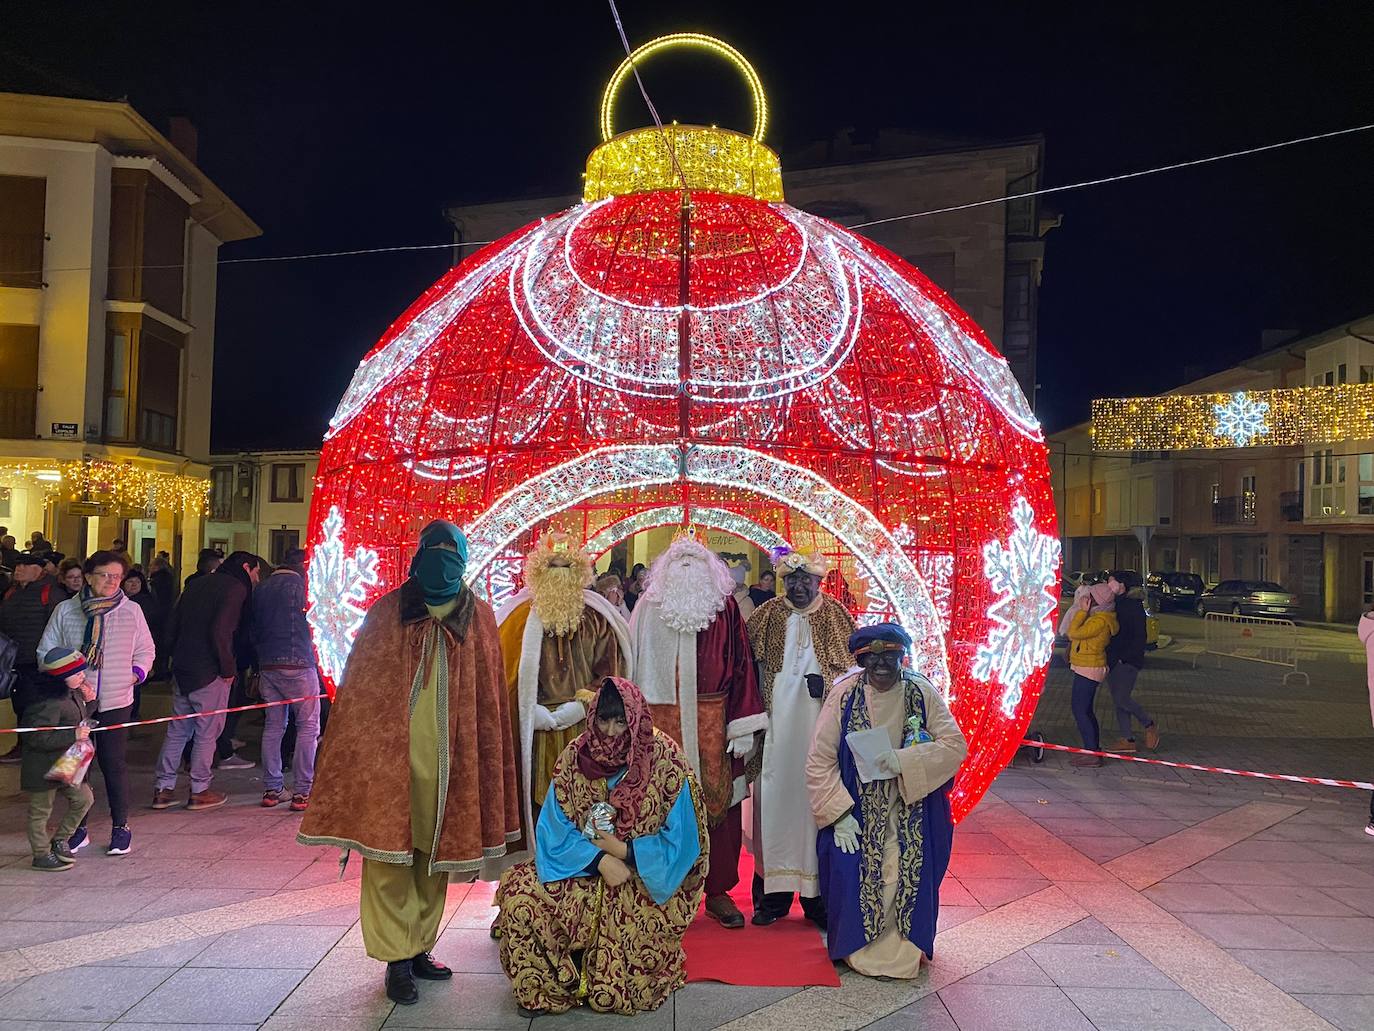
<point x="630" y="946"/>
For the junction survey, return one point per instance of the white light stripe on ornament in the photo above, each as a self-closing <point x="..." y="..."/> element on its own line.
<point x="634" y="349"/>
<point x="623" y="529"/>
<point x="991" y="373"/>
<point x="375" y="372"/>
<point x="597" y="472"/>
<point x="627" y="466"/>
<point x="852" y="525"/>
<point x="671" y="515"/>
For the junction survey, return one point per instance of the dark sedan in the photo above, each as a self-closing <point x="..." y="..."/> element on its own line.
<point x="1174" y="590"/>
<point x="1249" y="598"/>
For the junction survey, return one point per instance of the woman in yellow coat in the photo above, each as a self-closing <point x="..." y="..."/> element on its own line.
<point x="1090" y="629"/>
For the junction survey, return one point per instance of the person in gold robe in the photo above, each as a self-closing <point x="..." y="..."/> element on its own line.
<point x="417" y="773"/>
<point x="598" y="916"/>
<point x="559" y="640"/>
<point x="885" y="842"/>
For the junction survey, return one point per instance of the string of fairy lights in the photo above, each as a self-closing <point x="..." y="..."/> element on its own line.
<point x="121" y="485"/>
<point x="455" y="245"/>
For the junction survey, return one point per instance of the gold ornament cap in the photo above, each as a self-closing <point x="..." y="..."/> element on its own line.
<point x="707" y="158"/>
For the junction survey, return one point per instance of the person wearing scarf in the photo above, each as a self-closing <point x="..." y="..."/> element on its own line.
<point x="884" y="844"/>
<point x="113" y="635"/>
<point x="800" y="639"/>
<point x="597" y="917"/>
<point x="418" y="772"/>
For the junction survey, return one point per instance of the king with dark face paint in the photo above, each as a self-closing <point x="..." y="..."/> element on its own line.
<point x="799" y="639"/>
<point x="894" y="829"/>
<point x="802" y="587"/>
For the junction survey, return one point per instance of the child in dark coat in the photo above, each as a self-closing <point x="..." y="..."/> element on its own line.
<point x="63" y="701"/>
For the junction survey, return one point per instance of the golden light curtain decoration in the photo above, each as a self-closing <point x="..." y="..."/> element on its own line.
<point x="1246" y="418"/>
<point x="125" y="486"/>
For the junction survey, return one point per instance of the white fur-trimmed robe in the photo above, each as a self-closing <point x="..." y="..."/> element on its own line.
<point x="527" y="682"/>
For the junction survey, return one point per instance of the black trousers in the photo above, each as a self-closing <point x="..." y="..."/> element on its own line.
<point x="111" y="755"/>
<point x="779" y="903"/>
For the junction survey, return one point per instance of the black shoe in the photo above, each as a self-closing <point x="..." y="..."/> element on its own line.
<point x="528" y="1013"/>
<point x="814" y="910"/>
<point x="427" y="968"/>
<point x="763" y="917"/>
<point x="400" y="983"/>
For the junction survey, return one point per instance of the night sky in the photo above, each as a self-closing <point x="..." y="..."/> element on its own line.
<point x="344" y="128"/>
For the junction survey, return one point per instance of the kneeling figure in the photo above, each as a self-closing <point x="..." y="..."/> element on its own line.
<point x="620" y="861"/>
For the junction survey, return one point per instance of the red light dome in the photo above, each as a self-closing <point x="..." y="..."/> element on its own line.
<point x="715" y="357"/>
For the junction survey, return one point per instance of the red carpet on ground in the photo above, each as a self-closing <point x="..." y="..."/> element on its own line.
<point x="787" y="954"/>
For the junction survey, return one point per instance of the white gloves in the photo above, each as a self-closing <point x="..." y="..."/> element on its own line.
<point x="740" y="747"/>
<point x="847" y="833"/>
<point x="543" y="719"/>
<point x="569" y="714"/>
<point x="889" y="763"/>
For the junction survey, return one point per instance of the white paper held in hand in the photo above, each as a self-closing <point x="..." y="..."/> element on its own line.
<point x="867" y="745"/>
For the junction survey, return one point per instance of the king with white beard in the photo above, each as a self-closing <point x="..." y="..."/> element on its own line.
<point x="686" y="629"/>
<point x="801" y="640"/>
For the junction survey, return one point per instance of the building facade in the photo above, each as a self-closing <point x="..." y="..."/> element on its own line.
<point x="989" y="258"/>
<point x="1301" y="515"/>
<point x="109" y="237"/>
<point x="260" y="501"/>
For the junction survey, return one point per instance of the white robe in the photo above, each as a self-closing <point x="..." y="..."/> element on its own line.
<point x="784" y="844"/>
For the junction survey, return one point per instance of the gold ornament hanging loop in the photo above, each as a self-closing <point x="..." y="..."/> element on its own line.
<point x="686" y="39"/>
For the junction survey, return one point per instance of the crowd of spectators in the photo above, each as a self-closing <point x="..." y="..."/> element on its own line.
<point x="89" y="634"/>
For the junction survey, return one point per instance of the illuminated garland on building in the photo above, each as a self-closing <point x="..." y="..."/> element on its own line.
<point x="1247" y="418"/>
<point x="121" y="485"/>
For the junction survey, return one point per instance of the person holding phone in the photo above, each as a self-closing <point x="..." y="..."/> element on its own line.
<point x="801" y="641"/>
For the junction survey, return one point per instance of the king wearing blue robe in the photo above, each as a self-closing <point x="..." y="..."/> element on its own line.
<point x="884" y="843"/>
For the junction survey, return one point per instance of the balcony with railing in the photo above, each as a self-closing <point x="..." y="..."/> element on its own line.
<point x="1291" y="506"/>
<point x="21" y="259"/>
<point x="1239" y="510"/>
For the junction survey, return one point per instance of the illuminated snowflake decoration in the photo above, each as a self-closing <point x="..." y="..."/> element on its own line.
<point x="1022" y="571"/>
<point x="338" y="590"/>
<point x="1241" y="420"/>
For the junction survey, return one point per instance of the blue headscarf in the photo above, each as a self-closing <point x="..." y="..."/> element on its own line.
<point x="439" y="570"/>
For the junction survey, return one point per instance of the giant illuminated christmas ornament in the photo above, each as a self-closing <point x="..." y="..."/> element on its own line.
<point x="685" y="348"/>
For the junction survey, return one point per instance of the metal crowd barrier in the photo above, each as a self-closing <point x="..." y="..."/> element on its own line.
<point x="1254" y="639"/>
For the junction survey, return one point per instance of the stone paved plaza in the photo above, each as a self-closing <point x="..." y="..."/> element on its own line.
<point x="1128" y="897"/>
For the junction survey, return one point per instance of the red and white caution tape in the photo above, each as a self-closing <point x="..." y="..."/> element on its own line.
<point x="1330" y="782"/>
<point x="169" y="719"/>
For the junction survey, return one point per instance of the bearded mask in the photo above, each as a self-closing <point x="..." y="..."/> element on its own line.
<point x="556" y="572"/>
<point x="689" y="584"/>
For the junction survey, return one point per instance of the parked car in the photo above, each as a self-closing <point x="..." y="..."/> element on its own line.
<point x="1151" y="626"/>
<point x="1249" y="598"/>
<point x="1174" y="590"/>
<point x="1079" y="577"/>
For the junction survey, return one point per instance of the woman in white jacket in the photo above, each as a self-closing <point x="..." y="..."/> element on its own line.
<point x="103" y="625"/>
<point x="1366" y="631"/>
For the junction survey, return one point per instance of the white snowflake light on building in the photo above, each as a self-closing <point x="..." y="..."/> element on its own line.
<point x="1241" y="419"/>
<point x="338" y="590"/>
<point x="1022" y="571"/>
